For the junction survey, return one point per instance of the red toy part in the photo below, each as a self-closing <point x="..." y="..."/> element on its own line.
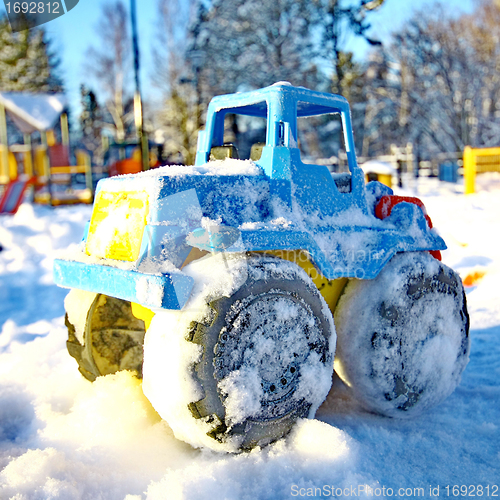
<point x="388" y="202"/>
<point x="13" y="195"/>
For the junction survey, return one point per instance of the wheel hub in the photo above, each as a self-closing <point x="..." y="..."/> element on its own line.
<point x="272" y="335"/>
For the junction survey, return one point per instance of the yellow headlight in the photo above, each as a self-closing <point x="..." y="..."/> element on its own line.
<point x="117" y="225"/>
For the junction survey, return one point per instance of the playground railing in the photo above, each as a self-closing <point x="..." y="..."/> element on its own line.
<point x="477" y="161"/>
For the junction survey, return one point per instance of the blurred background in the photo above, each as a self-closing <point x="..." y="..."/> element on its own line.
<point x="133" y="81"/>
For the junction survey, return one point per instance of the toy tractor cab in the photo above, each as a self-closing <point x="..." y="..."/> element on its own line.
<point x="218" y="283"/>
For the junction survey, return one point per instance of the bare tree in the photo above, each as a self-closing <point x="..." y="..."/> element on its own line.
<point x="254" y="43"/>
<point x="484" y="37"/>
<point x="180" y="114"/>
<point x="438" y="82"/>
<point x="110" y="64"/>
<point x="337" y="21"/>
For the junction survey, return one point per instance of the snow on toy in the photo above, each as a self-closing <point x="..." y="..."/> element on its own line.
<point x="228" y="274"/>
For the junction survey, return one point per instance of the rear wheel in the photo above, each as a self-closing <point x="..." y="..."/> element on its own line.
<point x="264" y="357"/>
<point x="112" y="339"/>
<point x="403" y="338"/>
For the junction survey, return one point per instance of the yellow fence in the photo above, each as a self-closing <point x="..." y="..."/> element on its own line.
<point x="477" y="161"/>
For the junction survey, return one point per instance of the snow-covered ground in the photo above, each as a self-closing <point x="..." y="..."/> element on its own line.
<point x="62" y="437"/>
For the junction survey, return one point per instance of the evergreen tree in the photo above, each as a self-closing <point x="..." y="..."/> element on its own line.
<point x="26" y="61"/>
<point x="91" y="121"/>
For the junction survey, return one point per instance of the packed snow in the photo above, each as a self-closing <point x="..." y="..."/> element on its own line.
<point x="62" y="437"/>
<point x="216" y="167"/>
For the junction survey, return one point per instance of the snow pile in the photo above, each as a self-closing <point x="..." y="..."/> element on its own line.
<point x="62" y="437"/>
<point x="219" y="167"/>
<point x="29" y="239"/>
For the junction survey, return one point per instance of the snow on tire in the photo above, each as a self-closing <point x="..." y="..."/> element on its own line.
<point x="403" y="338"/>
<point x="251" y="354"/>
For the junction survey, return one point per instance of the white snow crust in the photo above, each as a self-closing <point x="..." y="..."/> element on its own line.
<point x="243" y="393"/>
<point x="228" y="166"/>
<point x="63" y="438"/>
<point x="33" y="111"/>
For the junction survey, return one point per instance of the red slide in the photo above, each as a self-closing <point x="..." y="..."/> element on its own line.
<point x="13" y="195"/>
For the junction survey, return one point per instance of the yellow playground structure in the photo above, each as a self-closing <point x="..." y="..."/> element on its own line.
<point x="477" y="161"/>
<point x="46" y="165"/>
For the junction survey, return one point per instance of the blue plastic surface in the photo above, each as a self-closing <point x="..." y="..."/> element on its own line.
<point x="339" y="230"/>
<point x="448" y="172"/>
<point x="169" y="291"/>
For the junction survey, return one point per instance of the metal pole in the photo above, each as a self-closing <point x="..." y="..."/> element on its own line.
<point x="28" y="158"/>
<point x="4" y="144"/>
<point x="138" y="116"/>
<point x="64" y="130"/>
<point x="46" y="165"/>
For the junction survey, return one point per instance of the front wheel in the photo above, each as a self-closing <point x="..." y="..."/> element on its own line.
<point x="252" y="354"/>
<point x="110" y="338"/>
<point x="403" y="338"/>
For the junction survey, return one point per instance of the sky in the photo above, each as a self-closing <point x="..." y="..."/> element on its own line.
<point x="73" y="33"/>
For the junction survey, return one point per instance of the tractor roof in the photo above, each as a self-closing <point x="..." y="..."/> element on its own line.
<point x="255" y="103"/>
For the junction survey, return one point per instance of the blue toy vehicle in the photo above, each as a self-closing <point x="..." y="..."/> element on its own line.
<point x="218" y="283"/>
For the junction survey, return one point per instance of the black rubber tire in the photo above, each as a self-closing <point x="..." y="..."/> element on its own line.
<point x="231" y="342"/>
<point x="403" y="338"/>
<point x="113" y="339"/>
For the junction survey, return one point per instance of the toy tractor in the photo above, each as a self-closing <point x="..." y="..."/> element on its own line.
<point x="218" y="283"/>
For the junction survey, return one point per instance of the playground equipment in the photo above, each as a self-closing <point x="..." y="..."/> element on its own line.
<point x="13" y="195"/>
<point x="477" y="161"/>
<point x="227" y="276"/>
<point x="125" y="158"/>
<point x="448" y="172"/>
<point x="49" y="162"/>
<point x="383" y="172"/>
